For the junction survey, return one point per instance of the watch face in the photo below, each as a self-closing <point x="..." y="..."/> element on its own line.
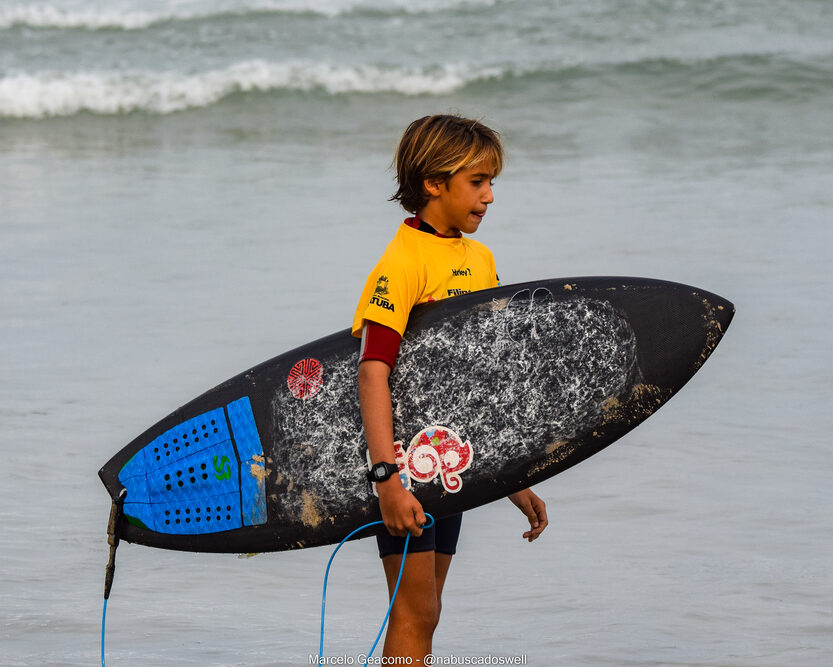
<point x="379" y="470"/>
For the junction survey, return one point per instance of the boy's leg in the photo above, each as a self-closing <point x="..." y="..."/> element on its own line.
<point x="441" y="564"/>
<point x="416" y="611"/>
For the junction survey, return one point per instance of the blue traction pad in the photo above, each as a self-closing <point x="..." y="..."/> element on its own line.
<point x="205" y="475"/>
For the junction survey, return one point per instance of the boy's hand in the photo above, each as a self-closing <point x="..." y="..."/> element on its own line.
<point x="401" y="511"/>
<point x="535" y="510"/>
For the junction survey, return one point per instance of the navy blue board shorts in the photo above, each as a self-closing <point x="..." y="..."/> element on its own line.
<point x="441" y="537"/>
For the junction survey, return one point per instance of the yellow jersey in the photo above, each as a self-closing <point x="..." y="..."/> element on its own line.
<point x="418" y="267"/>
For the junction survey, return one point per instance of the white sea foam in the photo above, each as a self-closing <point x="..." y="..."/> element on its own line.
<point x="68" y="16"/>
<point x="51" y="16"/>
<point x="45" y="94"/>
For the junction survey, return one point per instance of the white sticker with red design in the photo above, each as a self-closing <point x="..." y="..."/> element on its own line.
<point x="435" y="450"/>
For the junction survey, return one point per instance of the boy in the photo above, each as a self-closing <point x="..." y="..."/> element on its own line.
<point x="445" y="166"/>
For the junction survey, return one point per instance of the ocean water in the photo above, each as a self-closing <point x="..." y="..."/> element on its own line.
<point x="188" y="188"/>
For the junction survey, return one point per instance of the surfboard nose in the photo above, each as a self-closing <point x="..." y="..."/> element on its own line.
<point x="677" y="329"/>
<point x="719" y="313"/>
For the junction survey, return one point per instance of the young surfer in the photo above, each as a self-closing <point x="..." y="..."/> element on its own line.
<point x="445" y="166"/>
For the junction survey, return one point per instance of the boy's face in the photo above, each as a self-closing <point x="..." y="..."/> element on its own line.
<point x="459" y="204"/>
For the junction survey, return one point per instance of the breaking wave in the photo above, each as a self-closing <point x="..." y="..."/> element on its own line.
<point x="743" y="77"/>
<point x="52" y="16"/>
<point x="62" y="94"/>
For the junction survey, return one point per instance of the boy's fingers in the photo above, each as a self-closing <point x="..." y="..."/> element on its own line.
<point x="395" y="531"/>
<point x="420" y="519"/>
<point x="537" y="521"/>
<point x="416" y="528"/>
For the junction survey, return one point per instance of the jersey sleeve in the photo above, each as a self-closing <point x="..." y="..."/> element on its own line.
<point x="391" y="290"/>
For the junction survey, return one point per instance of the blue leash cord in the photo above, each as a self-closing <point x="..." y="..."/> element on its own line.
<point x="324" y="593"/>
<point x="103" y="619"/>
<point x="392" y="597"/>
<point x="113" y="529"/>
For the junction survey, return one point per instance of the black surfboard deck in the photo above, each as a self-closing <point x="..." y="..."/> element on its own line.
<point x="493" y="391"/>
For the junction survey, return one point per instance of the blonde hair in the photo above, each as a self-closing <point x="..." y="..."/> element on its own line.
<point x="437" y="147"/>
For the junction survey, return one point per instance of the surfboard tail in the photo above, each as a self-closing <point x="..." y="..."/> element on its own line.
<point x="199" y="476"/>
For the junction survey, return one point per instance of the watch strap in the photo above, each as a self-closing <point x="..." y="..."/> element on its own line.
<point x="390" y="470"/>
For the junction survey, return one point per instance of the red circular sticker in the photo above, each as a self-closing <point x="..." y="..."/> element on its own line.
<point x="306" y="378"/>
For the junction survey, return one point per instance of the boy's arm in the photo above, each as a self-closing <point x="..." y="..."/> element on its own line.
<point x="535" y="510"/>
<point x="401" y="511"/>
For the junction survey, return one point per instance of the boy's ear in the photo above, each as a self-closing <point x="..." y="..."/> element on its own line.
<point x="432" y="186"/>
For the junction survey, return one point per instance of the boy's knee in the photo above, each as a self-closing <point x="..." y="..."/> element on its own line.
<point x="421" y="615"/>
<point x="432" y="615"/>
<point x="427" y="611"/>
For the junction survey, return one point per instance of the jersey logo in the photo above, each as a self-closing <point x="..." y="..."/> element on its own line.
<point x="461" y="272"/>
<point x="381" y="286"/>
<point x="382" y="303"/>
<point x="379" y="297"/>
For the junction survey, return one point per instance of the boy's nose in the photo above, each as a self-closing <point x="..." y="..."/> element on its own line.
<point x="489" y="197"/>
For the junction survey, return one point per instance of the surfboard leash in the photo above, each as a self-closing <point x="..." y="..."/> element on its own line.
<point x="113" y="535"/>
<point x="392" y="597"/>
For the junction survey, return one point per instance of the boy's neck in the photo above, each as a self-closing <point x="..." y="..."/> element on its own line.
<point x="418" y="223"/>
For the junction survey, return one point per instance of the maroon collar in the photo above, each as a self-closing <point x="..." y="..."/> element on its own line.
<point x="423" y="226"/>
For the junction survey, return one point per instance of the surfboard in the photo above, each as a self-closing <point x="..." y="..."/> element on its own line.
<point x="493" y="391"/>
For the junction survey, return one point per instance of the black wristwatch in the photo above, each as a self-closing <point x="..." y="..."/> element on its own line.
<point x="379" y="472"/>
